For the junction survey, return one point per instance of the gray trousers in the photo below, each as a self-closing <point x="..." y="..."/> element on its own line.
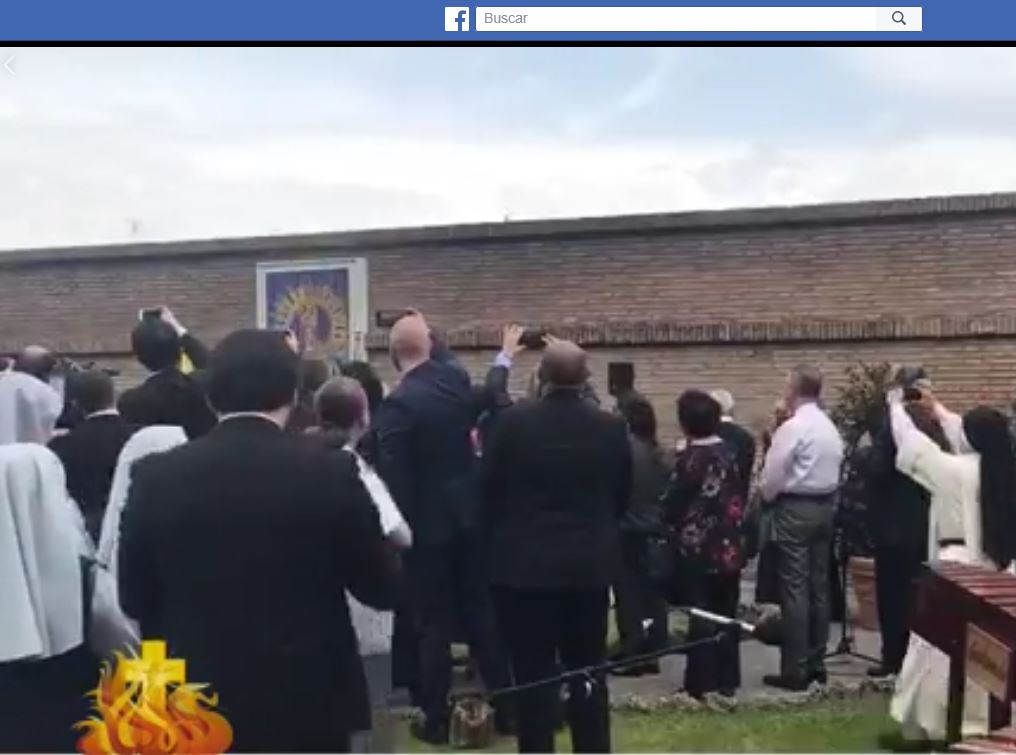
<point x="803" y="533"/>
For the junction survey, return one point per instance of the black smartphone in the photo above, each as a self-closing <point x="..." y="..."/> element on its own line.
<point x="910" y="393"/>
<point x="386" y="318"/>
<point x="532" y="338"/>
<point x="620" y="378"/>
<point x="150" y="314"/>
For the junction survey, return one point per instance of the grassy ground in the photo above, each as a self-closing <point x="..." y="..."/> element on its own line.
<point x="844" y="726"/>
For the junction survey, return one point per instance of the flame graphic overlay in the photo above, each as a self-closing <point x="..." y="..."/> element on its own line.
<point x="137" y="711"/>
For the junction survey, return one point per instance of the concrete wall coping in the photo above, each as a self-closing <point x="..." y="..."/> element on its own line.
<point x="350" y="242"/>
<point x="673" y="333"/>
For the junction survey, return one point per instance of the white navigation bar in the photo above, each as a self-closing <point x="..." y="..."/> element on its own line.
<point x="704" y="19"/>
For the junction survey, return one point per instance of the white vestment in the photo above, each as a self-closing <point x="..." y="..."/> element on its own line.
<point x="374" y="628"/>
<point x="42" y="545"/>
<point x="29" y="409"/>
<point x="112" y="630"/>
<point x="953" y="480"/>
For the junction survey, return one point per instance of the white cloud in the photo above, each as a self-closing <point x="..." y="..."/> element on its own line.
<point x="85" y="156"/>
<point x="651" y="83"/>
<point x="332" y="183"/>
<point x="955" y="74"/>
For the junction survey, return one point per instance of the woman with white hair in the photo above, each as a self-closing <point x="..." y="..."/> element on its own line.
<point x="45" y="668"/>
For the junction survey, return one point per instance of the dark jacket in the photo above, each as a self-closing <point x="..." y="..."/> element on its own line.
<point x="423" y="448"/>
<point x="651" y="467"/>
<point x="89" y="454"/>
<point x="237" y="549"/>
<point x="557" y="478"/>
<point x="491" y="398"/>
<point x="172" y="398"/>
<point x="743" y="444"/>
<point x="897" y="506"/>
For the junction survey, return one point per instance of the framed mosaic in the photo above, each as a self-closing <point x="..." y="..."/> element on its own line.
<point x="324" y="303"/>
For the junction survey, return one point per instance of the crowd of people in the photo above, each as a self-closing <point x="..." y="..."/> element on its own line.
<point x="309" y="539"/>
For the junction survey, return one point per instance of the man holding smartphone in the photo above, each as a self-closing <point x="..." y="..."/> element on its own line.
<point x="898" y="521"/>
<point x="169" y="396"/>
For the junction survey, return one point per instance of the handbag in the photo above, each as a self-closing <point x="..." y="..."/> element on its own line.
<point x="472" y="724"/>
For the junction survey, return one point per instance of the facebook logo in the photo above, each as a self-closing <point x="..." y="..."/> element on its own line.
<point x="456" y="19"/>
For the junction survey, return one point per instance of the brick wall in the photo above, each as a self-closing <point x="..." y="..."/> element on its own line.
<point x="966" y="372"/>
<point x="700" y="299"/>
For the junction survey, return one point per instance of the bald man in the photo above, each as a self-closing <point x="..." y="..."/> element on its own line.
<point x="37" y="361"/>
<point x="425" y="455"/>
<point x="557" y="475"/>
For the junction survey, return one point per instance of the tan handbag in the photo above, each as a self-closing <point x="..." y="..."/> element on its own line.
<point x="472" y="724"/>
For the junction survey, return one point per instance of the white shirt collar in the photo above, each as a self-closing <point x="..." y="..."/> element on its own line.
<point x="103" y="413"/>
<point x="712" y="440"/>
<point x="242" y="415"/>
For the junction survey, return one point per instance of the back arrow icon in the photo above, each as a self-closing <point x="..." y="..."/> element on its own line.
<point x="9" y="64"/>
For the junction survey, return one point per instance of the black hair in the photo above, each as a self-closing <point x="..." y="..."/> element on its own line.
<point x="988" y="433"/>
<point x="698" y="413"/>
<point x="156" y="344"/>
<point x="638" y="412"/>
<point x="92" y="391"/>
<point x="253" y="371"/>
<point x="365" y="374"/>
<point x="313" y="374"/>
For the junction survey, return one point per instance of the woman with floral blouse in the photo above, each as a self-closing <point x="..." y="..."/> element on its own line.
<point x="703" y="511"/>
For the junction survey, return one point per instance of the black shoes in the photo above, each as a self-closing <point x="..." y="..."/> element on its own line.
<point x="881" y="671"/>
<point x="432" y="733"/>
<point x="795" y="683"/>
<point x="649" y="668"/>
<point x="788" y="683"/>
<point x="504" y="723"/>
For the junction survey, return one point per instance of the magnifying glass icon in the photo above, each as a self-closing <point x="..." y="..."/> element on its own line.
<point x="898" y="17"/>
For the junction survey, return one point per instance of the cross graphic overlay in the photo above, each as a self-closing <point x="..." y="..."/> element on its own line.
<point x="146" y="706"/>
<point x="155" y="671"/>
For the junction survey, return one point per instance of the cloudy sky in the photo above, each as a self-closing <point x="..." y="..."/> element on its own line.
<point x="109" y="145"/>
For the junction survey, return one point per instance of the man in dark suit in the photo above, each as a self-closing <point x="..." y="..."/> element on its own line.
<point x="90" y="451"/>
<point x="168" y="396"/>
<point x="426" y="456"/>
<point x="237" y="549"/>
<point x="740" y="439"/>
<point x="557" y="478"/>
<point x="897" y="510"/>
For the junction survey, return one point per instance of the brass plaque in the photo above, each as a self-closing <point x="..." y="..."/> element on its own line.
<point x="989" y="662"/>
